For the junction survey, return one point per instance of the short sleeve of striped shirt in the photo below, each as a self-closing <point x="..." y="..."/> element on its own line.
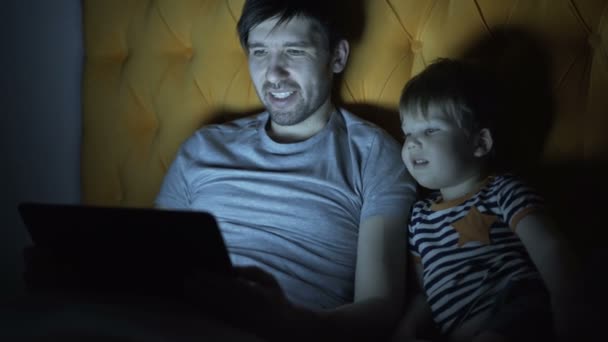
<point x="515" y="199"/>
<point x="411" y="229"/>
<point x="410" y="244"/>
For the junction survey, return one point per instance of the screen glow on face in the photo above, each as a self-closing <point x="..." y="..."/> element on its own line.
<point x="290" y="69"/>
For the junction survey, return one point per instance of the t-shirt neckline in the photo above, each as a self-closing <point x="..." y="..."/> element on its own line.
<point x="285" y="148"/>
<point x="440" y="204"/>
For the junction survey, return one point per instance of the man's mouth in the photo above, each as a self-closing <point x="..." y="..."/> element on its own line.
<point x="281" y="95"/>
<point x="282" y="99"/>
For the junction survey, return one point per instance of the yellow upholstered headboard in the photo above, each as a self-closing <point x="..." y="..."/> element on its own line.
<point x="156" y="70"/>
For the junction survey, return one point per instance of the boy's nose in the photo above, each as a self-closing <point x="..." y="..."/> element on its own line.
<point x="413" y="142"/>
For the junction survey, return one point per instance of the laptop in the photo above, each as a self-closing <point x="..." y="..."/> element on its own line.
<point x="140" y="251"/>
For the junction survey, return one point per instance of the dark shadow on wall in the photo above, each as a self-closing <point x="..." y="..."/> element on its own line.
<point x="573" y="189"/>
<point x="521" y="65"/>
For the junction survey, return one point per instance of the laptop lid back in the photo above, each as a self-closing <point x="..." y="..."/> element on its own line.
<point x="141" y="250"/>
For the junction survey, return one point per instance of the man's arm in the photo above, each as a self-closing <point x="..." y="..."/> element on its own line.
<point x="379" y="287"/>
<point x="379" y="278"/>
<point x="255" y="302"/>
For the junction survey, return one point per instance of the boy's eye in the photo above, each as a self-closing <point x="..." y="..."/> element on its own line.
<point x="429" y="131"/>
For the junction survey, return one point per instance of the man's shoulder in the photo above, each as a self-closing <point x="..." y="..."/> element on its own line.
<point x="354" y="120"/>
<point x="235" y="125"/>
<point x="224" y="131"/>
<point x="359" y="126"/>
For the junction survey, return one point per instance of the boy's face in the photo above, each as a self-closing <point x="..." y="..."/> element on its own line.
<point x="437" y="152"/>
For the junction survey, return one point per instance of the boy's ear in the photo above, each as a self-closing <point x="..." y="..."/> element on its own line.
<point x="484" y="143"/>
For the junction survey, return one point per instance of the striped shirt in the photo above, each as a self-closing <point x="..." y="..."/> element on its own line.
<point x="468" y="247"/>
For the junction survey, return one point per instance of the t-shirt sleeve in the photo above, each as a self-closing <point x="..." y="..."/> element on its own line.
<point x="516" y="200"/>
<point x="174" y="191"/>
<point x="411" y="244"/>
<point x="388" y="188"/>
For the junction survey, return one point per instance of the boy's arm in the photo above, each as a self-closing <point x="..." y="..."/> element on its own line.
<point x="554" y="261"/>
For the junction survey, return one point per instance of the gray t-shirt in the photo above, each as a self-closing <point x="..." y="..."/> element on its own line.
<point x="292" y="209"/>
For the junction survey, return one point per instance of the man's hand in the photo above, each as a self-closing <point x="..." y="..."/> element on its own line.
<point x="252" y="301"/>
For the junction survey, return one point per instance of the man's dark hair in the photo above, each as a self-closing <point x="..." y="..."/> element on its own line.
<point x="322" y="11"/>
<point x="459" y="89"/>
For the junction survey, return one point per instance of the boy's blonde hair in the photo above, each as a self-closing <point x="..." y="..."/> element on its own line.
<point x="457" y="89"/>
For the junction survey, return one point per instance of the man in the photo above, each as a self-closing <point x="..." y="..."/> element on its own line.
<point x="310" y="198"/>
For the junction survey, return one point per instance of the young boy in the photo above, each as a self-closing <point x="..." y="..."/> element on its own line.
<point x="483" y="251"/>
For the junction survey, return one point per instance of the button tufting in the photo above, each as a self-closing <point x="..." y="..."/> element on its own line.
<point x="188" y="52"/>
<point x="594" y="40"/>
<point x="122" y="56"/>
<point x="416" y="46"/>
<point x="140" y="63"/>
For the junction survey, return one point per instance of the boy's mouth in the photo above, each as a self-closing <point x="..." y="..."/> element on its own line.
<point x="419" y="162"/>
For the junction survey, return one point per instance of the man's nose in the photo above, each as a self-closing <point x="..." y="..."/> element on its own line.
<point x="277" y="70"/>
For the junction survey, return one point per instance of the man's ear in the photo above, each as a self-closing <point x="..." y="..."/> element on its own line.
<point x="340" y="56"/>
<point x="484" y="143"/>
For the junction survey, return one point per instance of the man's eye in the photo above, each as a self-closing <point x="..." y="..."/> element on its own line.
<point x="295" y="52"/>
<point x="429" y="131"/>
<point x="258" y="53"/>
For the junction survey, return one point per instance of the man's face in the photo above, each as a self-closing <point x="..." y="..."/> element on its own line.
<point x="290" y="69"/>
<point x="437" y="151"/>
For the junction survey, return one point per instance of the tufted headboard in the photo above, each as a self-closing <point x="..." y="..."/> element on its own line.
<point x="156" y="70"/>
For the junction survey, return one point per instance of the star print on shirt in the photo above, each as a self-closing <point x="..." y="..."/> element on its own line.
<point x="474" y="226"/>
